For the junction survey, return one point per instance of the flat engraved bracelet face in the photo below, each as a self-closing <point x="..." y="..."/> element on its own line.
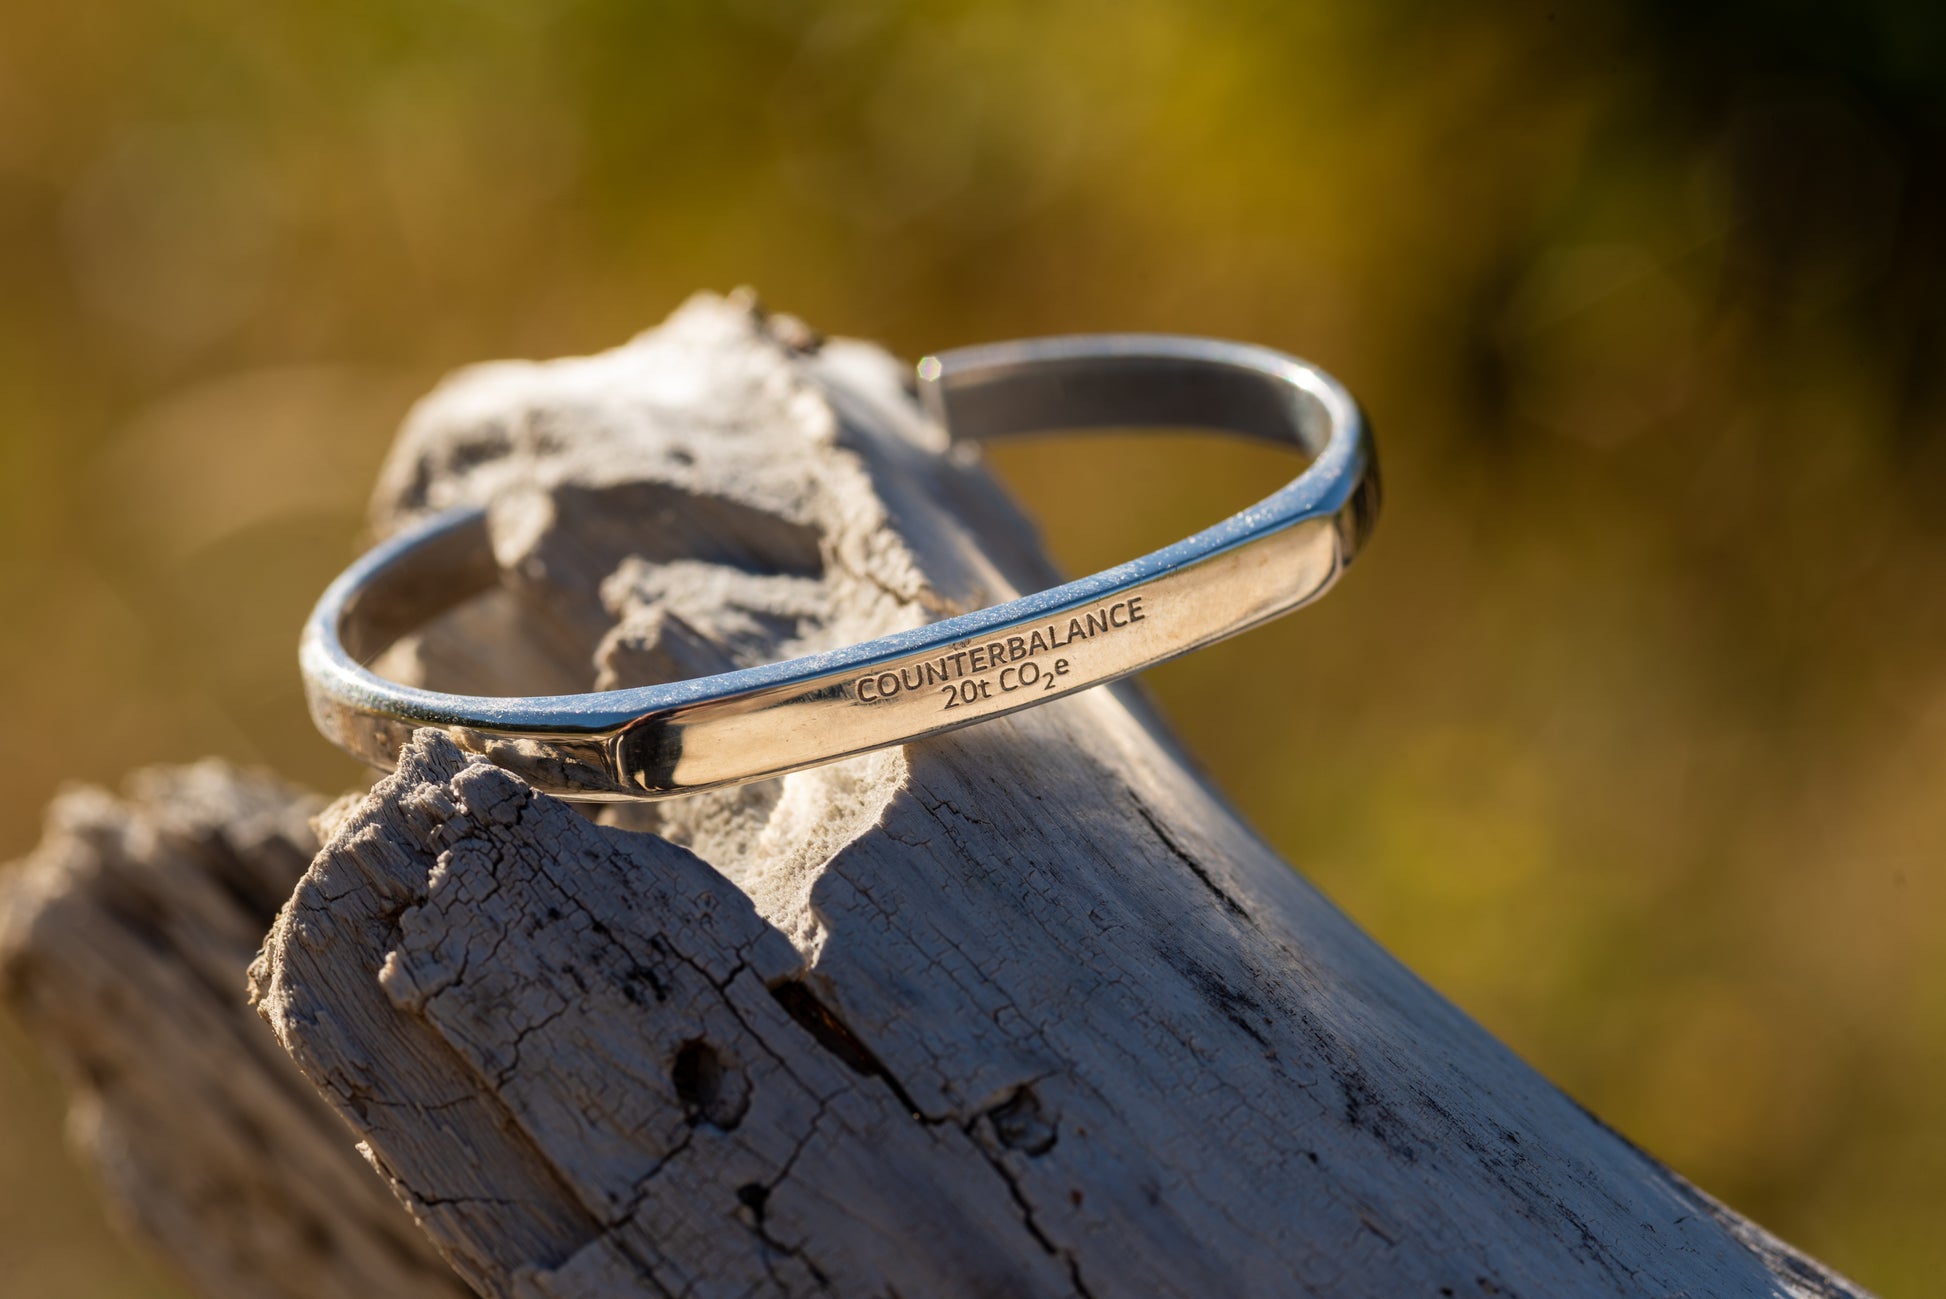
<point x="1021" y="663"/>
<point x="659" y="741"/>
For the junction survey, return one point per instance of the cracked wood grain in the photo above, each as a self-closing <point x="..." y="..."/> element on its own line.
<point x="1020" y="1010"/>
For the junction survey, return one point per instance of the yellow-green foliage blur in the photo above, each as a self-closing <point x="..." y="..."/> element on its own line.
<point x="1629" y="732"/>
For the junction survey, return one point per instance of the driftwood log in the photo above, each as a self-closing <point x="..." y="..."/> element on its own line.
<point x="123" y="946"/>
<point x="1021" y="1010"/>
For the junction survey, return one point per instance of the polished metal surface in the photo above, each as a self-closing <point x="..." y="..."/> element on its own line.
<point x="663" y="740"/>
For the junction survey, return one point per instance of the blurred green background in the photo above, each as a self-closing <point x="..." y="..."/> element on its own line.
<point x="1630" y="731"/>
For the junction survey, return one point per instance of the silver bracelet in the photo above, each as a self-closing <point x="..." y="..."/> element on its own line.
<point x="675" y="738"/>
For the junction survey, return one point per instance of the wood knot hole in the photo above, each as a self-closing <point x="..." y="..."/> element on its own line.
<point x="710" y="1089"/>
<point x="1021" y="1125"/>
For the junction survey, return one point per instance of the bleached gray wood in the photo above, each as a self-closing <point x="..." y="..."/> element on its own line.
<point x="1024" y="1010"/>
<point x="124" y="942"/>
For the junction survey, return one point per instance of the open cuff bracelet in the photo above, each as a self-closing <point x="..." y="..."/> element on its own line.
<point x="682" y="736"/>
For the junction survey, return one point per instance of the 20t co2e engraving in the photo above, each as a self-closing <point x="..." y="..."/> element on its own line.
<point x="968" y="675"/>
<point x="663" y="740"/>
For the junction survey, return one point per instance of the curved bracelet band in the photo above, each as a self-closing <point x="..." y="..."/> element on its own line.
<point x="663" y="740"/>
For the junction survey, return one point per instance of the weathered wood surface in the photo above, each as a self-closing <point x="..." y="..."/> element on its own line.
<point x="124" y="942"/>
<point x="1022" y="1010"/>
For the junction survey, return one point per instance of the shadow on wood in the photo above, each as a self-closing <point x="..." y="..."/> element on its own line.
<point x="1022" y="1010"/>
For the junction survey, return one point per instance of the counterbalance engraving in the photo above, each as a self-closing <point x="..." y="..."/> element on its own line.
<point x="1003" y="665"/>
